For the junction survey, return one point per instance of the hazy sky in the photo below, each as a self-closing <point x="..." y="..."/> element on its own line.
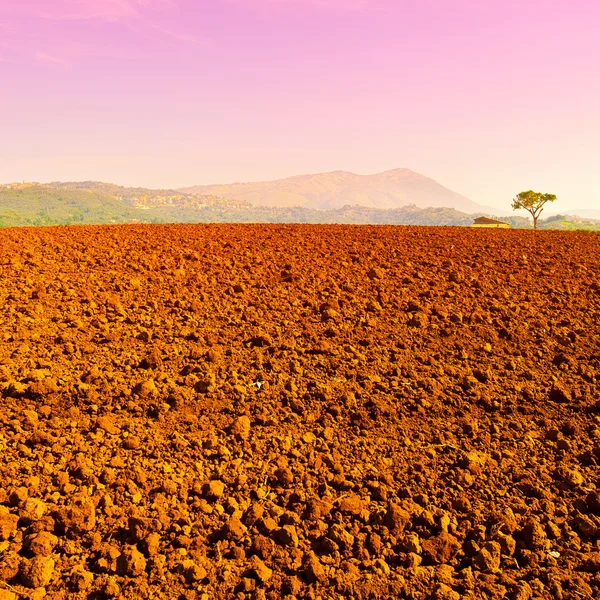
<point x="488" y="97"/>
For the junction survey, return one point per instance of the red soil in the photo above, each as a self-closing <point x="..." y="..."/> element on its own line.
<point x="299" y="412"/>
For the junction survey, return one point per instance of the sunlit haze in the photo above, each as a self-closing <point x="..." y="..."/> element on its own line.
<point x="488" y="98"/>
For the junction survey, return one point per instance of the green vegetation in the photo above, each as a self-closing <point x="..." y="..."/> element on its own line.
<point x="110" y="189"/>
<point x="533" y="203"/>
<point x="98" y="203"/>
<point x="42" y="205"/>
<point x="569" y="223"/>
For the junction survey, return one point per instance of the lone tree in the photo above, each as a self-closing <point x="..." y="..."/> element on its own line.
<point x="533" y="202"/>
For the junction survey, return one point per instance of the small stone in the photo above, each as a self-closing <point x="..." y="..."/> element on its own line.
<point x="241" y="427"/>
<point x="151" y="544"/>
<point x="18" y="496"/>
<point x="42" y="544"/>
<point x="444" y="592"/>
<point x="7" y="595"/>
<point x="193" y="572"/>
<point x="37" y="572"/>
<point x="533" y="535"/>
<point x="396" y="519"/>
<point x="341" y="537"/>
<point x="284" y="476"/>
<point x="441" y="548"/>
<point x="559" y="393"/>
<point x="111" y="588"/>
<point x="376" y="273"/>
<point x="106" y="424"/>
<point x="309" y="437"/>
<point x="234" y="529"/>
<point x="146" y="389"/>
<point x="592" y="500"/>
<point x="262" y="572"/>
<point x="573" y="477"/>
<point x="132" y="442"/>
<point x="287" y="536"/>
<point x="374" y="543"/>
<point x="411" y="543"/>
<point x="352" y="505"/>
<point x="131" y="562"/>
<point x="413" y="560"/>
<point x="488" y="558"/>
<point x="8" y="523"/>
<point x="553" y="530"/>
<point x="508" y="545"/>
<point x="81" y="578"/>
<point x="382" y="566"/>
<point x="213" y="489"/>
<point x="313" y="569"/>
<point x="80" y="516"/>
<point x="33" y="510"/>
<point x="523" y="591"/>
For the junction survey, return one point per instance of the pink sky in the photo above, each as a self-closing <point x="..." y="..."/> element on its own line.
<point x="489" y="97"/>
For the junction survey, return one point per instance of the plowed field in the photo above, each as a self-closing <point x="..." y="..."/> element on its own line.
<point x="299" y="412"/>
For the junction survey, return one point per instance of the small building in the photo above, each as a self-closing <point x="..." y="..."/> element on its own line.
<point x="490" y="223"/>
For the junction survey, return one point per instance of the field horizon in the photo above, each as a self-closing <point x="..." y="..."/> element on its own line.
<point x="400" y="197"/>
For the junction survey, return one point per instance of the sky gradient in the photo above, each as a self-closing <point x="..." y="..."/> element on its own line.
<point x="487" y="97"/>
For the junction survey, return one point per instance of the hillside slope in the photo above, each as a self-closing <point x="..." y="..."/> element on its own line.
<point x="98" y="203"/>
<point x="584" y="213"/>
<point x="325" y="191"/>
<point x="44" y="205"/>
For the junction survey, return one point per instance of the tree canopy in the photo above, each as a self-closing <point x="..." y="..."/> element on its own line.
<point x="532" y="202"/>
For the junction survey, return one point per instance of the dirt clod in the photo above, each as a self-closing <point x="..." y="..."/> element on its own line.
<point x="37" y="572"/>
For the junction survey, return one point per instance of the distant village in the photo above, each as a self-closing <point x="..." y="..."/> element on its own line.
<point x="17" y="186"/>
<point x="150" y="201"/>
<point x="182" y="201"/>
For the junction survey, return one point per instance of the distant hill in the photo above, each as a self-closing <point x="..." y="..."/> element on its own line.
<point x="42" y="205"/>
<point x="69" y="204"/>
<point x="149" y="198"/>
<point x="111" y="189"/>
<point x="95" y="202"/>
<point x="570" y="223"/>
<point x="327" y="191"/>
<point x="584" y="213"/>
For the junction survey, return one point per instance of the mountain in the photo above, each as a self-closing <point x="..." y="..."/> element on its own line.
<point x="327" y="191"/>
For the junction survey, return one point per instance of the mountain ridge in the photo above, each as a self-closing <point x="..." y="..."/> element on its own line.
<point x="330" y="190"/>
